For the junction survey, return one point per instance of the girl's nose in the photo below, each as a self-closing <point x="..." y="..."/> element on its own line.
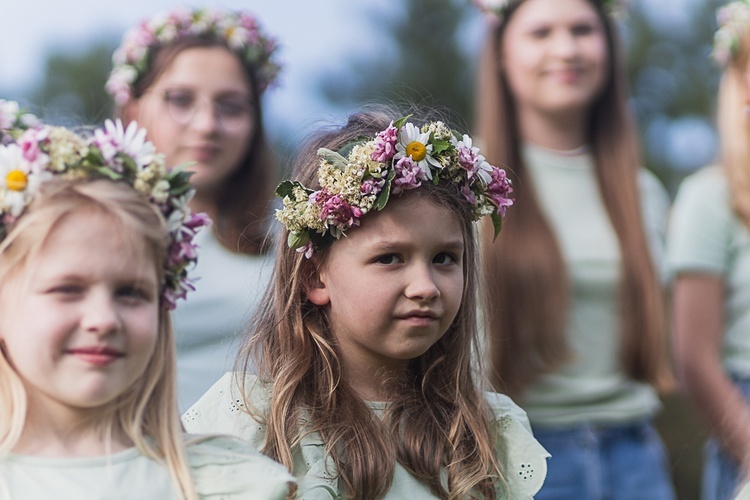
<point x="422" y="285"/>
<point x="100" y="314"/>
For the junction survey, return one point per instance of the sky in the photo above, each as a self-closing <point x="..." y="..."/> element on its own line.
<point x="315" y="36"/>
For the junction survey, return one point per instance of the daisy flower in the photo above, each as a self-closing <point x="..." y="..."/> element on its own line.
<point x="415" y="144"/>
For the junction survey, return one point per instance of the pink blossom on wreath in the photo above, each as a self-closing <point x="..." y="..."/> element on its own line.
<point x="468" y="159"/>
<point x="385" y="144"/>
<point x="337" y="212"/>
<point x="308" y="249"/>
<point x="499" y="190"/>
<point x="372" y="186"/>
<point x="469" y="194"/>
<point x="408" y="175"/>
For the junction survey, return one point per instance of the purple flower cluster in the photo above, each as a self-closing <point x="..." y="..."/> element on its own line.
<point x="408" y="175"/>
<point x="499" y="190"/>
<point x="335" y="210"/>
<point x="385" y="144"/>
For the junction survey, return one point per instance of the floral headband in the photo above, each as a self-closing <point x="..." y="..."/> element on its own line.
<point x="113" y="153"/>
<point x="14" y="120"/>
<point x="239" y="30"/>
<point x="495" y="10"/>
<point x="733" y="20"/>
<point x="361" y="177"/>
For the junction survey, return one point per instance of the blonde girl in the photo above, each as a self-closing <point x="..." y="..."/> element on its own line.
<point x="95" y="245"/>
<point x="709" y="247"/>
<point x="365" y="342"/>
<point x="577" y="329"/>
<point x="194" y="78"/>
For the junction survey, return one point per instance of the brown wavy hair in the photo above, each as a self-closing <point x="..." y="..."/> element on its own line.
<point x="245" y="196"/>
<point x="437" y="420"/>
<point x="527" y="279"/>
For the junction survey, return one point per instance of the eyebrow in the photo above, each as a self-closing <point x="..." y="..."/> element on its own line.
<point x="391" y="244"/>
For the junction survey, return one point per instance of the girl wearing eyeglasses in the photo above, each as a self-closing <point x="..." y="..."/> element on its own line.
<point x="194" y="80"/>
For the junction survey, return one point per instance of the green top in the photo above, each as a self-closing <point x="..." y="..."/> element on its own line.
<point x="221" y="409"/>
<point x="592" y="387"/>
<point x="223" y="468"/>
<point x="706" y="236"/>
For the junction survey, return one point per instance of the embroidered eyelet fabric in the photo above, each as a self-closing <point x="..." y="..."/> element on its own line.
<point x="221" y="410"/>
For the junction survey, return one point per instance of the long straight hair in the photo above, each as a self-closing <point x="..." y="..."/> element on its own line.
<point x="147" y="412"/>
<point x="528" y="282"/>
<point x="437" y="419"/>
<point x="245" y="195"/>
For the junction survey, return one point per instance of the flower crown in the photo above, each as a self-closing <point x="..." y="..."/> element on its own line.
<point x="113" y="153"/>
<point x="14" y="120"/>
<point x="362" y="175"/>
<point x="733" y="20"/>
<point x="239" y="30"/>
<point x="495" y="10"/>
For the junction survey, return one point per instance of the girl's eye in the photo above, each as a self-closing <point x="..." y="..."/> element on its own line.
<point x="389" y="259"/>
<point x="583" y="29"/>
<point x="232" y="107"/>
<point x="540" y="33"/>
<point x="66" y="290"/>
<point x="444" y="259"/>
<point x="134" y="293"/>
<point x="179" y="99"/>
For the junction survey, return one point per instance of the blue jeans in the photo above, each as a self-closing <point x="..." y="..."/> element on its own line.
<point x="720" y="472"/>
<point x="594" y="462"/>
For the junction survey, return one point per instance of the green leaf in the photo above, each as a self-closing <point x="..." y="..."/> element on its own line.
<point x="399" y="123"/>
<point x="382" y="198"/>
<point x="296" y="240"/>
<point x="286" y="188"/>
<point x="346" y="149"/>
<point x="333" y="158"/>
<point x="438" y="146"/>
<point x="497" y="224"/>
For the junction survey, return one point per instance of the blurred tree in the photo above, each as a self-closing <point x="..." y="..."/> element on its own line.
<point x="428" y="66"/>
<point x="72" y="89"/>
<point x="674" y="83"/>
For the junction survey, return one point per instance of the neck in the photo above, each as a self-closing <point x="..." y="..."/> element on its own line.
<point x="562" y="131"/>
<point x="370" y="381"/>
<point x="203" y="202"/>
<point x="55" y="430"/>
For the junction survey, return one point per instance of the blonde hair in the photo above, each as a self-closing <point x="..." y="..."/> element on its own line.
<point x="525" y="270"/>
<point x="438" y="418"/>
<point x="734" y="129"/>
<point x="147" y="412"/>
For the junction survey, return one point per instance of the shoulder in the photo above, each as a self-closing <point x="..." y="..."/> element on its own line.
<point x="228" y="468"/>
<point x="704" y="196"/>
<point x="709" y="181"/>
<point x="234" y="405"/>
<point x="524" y="459"/>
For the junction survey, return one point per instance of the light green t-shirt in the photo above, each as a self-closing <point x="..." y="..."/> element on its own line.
<point x="592" y="387"/>
<point x="223" y="469"/>
<point x="221" y="409"/>
<point x="706" y="236"/>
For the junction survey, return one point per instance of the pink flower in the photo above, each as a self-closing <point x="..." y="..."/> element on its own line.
<point x="408" y="175"/>
<point x="385" y="144"/>
<point x="469" y="194"/>
<point x="372" y="186"/>
<point x="308" y="249"/>
<point x="336" y="211"/>
<point x="499" y="189"/>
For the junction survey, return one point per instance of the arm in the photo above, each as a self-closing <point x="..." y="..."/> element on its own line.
<point x="698" y="300"/>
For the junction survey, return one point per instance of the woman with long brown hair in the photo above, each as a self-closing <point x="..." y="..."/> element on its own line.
<point x="194" y="79"/>
<point x="576" y="324"/>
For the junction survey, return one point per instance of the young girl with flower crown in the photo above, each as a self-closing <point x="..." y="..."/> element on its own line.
<point x="95" y="244"/>
<point x="709" y="260"/>
<point x="576" y="330"/>
<point x="194" y="79"/>
<point x="365" y="343"/>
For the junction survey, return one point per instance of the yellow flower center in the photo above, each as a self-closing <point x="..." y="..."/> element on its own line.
<point x="416" y="150"/>
<point x="16" y="180"/>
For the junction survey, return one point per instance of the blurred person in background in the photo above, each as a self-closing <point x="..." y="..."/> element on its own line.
<point x="576" y="327"/>
<point x="194" y="79"/>
<point x="709" y="259"/>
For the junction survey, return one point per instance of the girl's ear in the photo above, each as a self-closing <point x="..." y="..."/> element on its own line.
<point x="317" y="291"/>
<point x="130" y="110"/>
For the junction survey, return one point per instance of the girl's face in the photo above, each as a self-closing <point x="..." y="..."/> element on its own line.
<point x="393" y="286"/>
<point x="199" y="110"/>
<point x="79" y="324"/>
<point x="554" y="56"/>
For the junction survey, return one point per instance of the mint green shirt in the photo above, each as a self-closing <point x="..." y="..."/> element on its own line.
<point x="592" y="387"/>
<point x="223" y="469"/>
<point x="706" y="236"/>
<point x="222" y="409"/>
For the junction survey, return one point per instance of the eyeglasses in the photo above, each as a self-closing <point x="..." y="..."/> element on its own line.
<point x="231" y="112"/>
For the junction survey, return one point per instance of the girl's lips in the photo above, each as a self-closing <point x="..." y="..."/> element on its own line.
<point x="97" y="356"/>
<point x="204" y="153"/>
